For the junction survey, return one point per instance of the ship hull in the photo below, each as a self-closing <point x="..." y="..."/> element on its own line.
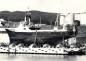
<point x="24" y="50"/>
<point x="51" y="38"/>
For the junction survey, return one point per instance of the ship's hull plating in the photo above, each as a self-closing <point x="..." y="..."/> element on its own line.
<point x="39" y="37"/>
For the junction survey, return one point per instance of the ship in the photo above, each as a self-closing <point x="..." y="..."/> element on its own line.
<point x="29" y="33"/>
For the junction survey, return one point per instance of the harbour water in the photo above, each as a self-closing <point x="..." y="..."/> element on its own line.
<point x="34" y="57"/>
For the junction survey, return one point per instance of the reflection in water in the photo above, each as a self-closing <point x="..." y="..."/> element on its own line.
<point x="33" y="57"/>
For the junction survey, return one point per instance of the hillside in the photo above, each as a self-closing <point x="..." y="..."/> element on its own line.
<point x="46" y="18"/>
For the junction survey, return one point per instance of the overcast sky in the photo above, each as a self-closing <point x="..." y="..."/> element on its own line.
<point x="62" y="6"/>
<point x="45" y="5"/>
<point x="13" y="5"/>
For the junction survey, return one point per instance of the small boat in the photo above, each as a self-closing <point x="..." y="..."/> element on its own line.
<point x="75" y="51"/>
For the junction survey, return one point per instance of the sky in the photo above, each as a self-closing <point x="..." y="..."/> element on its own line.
<point x="44" y="5"/>
<point x="56" y="6"/>
<point x="14" y="5"/>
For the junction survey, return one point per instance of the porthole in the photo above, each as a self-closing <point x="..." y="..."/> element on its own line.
<point x="52" y="50"/>
<point x="42" y="50"/>
<point x="35" y="51"/>
<point x="45" y="51"/>
<point x="24" y="28"/>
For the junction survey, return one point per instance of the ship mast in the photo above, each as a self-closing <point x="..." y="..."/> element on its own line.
<point x="57" y="22"/>
<point x="27" y="18"/>
<point x="40" y="19"/>
<point x="74" y="29"/>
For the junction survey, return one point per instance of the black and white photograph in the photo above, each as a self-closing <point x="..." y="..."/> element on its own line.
<point x="42" y="30"/>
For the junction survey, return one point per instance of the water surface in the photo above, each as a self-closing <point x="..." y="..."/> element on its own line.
<point x="35" y="57"/>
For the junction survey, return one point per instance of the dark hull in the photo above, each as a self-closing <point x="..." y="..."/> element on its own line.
<point x="76" y="53"/>
<point x="39" y="37"/>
